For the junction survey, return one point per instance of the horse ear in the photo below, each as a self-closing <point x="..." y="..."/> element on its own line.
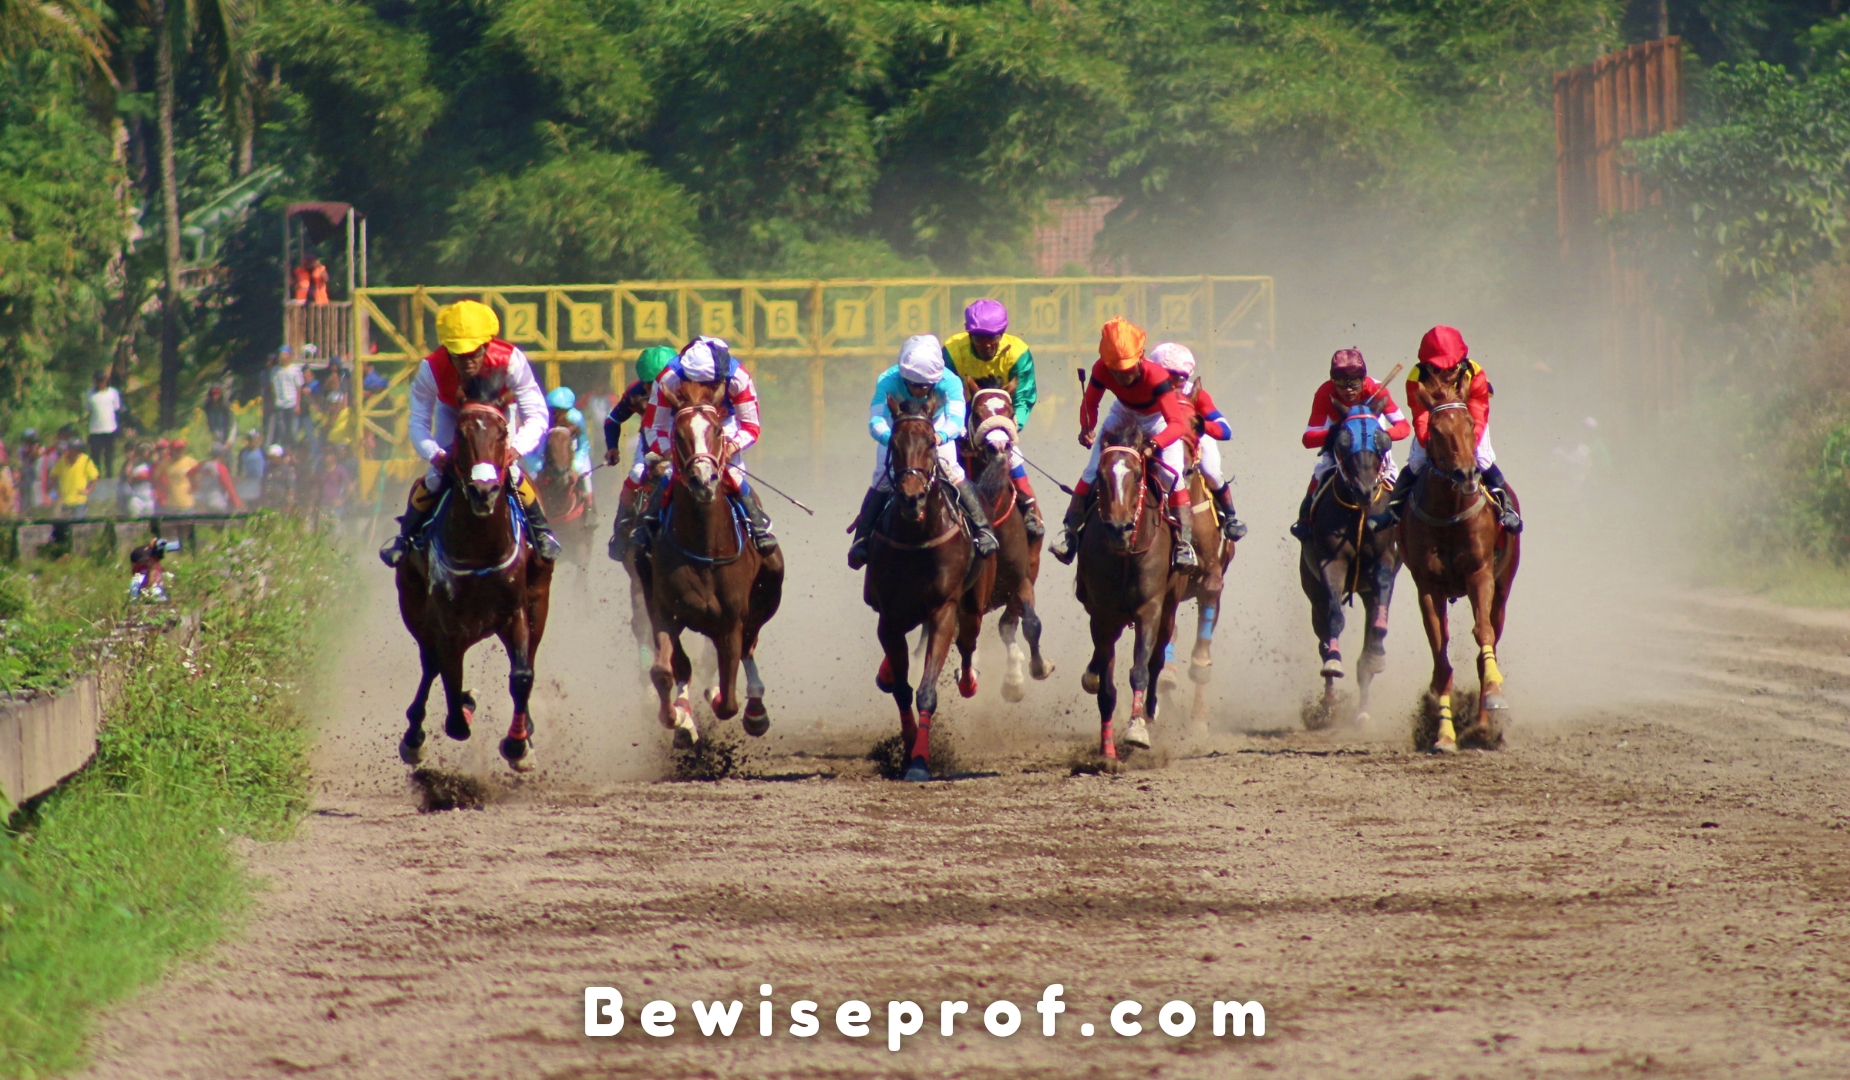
<point x="1010" y="387"/>
<point x="669" y="398"/>
<point x="970" y="388"/>
<point x="892" y="406"/>
<point x="1424" y="389"/>
<point x="937" y="402"/>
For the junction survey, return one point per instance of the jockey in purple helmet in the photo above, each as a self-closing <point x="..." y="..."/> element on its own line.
<point x="987" y="355"/>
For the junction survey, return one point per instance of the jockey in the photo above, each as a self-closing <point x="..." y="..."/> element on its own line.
<point x="563" y="404"/>
<point x="1347" y="387"/>
<point x="469" y="348"/>
<point x="985" y="352"/>
<point x="919" y="372"/>
<point x="1179" y="361"/>
<point x="634" y="402"/>
<point x="1145" y="398"/>
<point x="708" y="361"/>
<point x="1444" y="349"/>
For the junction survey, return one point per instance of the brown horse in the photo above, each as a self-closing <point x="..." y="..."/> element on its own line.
<point x="477" y="577"/>
<point x="1454" y="547"/>
<point x="921" y="565"/>
<point x="703" y="573"/>
<point x="1124" y="579"/>
<point x="1205" y="589"/>
<point x="568" y="508"/>
<point x="1017" y="565"/>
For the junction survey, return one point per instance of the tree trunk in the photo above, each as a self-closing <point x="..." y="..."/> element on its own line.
<point x="1663" y="19"/>
<point x="170" y="216"/>
<point x="247" y="126"/>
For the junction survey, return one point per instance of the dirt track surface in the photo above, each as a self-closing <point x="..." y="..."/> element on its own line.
<point x="1647" y="889"/>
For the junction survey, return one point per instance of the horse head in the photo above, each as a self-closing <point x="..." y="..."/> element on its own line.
<point x="558" y="454"/>
<point x="912" y="452"/>
<point x="480" y="456"/>
<point x="992" y="411"/>
<point x="1121" y="489"/>
<point x="1361" y="442"/>
<point x="1451" y="438"/>
<point x="699" y="439"/>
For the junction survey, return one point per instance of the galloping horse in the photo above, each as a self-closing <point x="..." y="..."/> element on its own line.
<point x="1343" y="558"/>
<point x="568" y="509"/>
<point x="1455" y="547"/>
<point x="1205" y="589"/>
<point x="703" y="573"/>
<point x="921" y="565"/>
<point x="1017" y="565"/>
<point x="478" y="577"/>
<point x="1124" y="579"/>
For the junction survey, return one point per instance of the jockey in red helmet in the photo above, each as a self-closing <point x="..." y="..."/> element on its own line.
<point x="1347" y="387"/>
<point x="1443" y="349"/>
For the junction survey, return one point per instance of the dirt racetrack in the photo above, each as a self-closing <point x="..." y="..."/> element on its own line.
<point x="1649" y="881"/>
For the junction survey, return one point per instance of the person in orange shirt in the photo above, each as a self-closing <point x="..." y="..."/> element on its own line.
<point x="310" y="280"/>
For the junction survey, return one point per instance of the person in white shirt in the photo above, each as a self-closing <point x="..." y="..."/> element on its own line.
<point x="285" y="393"/>
<point x="102" y="404"/>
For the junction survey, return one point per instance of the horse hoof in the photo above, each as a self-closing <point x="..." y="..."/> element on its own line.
<point x="756" y="721"/>
<point x="883" y="679"/>
<point x="519" y="754"/>
<point x="1445" y="746"/>
<point x="1013" y="690"/>
<point x="1332" y="668"/>
<point x="1201" y="672"/>
<point x="1137" y="734"/>
<point x="686" y="735"/>
<point x="917" y="771"/>
<point x="1494" y="701"/>
<point x="966" y="684"/>
<point x="1089" y="682"/>
<point x="457" y="727"/>
<point x="1040" y="669"/>
<point x="411" y="753"/>
<point x="1167" y="681"/>
<point x="1361" y="719"/>
<point x="715" y="699"/>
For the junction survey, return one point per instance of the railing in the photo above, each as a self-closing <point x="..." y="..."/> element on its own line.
<point x="328" y="327"/>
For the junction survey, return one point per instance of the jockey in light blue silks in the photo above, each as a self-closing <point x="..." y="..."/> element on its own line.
<point x="562" y="404"/>
<point x="919" y="373"/>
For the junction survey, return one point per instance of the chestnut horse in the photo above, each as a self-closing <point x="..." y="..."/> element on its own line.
<point x="921" y="565"/>
<point x="1124" y="579"/>
<point x="1017" y="565"/>
<point x="1454" y="547"/>
<point x="1344" y="558"/>
<point x="703" y="573"/>
<point x="570" y="511"/>
<point x="1204" y="587"/>
<point x="477" y="577"/>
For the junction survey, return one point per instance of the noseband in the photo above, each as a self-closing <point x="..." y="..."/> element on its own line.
<point x="1143" y="492"/>
<point x="484" y="411"/>
<point x="894" y="476"/>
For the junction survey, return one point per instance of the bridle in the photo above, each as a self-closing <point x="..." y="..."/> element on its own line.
<point x="894" y="476"/>
<point x="472" y="410"/>
<point x="681" y="465"/>
<point x="1143" y="494"/>
<point x="1463" y="480"/>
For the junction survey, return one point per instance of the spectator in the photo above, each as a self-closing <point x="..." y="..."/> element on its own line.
<point x="278" y="478"/>
<point x="9" y="491"/>
<point x="103" y="403"/>
<point x="310" y="280"/>
<point x="371" y="380"/>
<point x="219" y="420"/>
<point x="140" y="489"/>
<point x="30" y="477"/>
<point x="284" y="396"/>
<point x="336" y="478"/>
<point x="250" y="462"/>
<point x="76" y="475"/>
<point x="212" y="481"/>
<point x="179" y="473"/>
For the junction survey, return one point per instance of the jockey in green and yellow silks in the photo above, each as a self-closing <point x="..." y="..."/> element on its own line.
<point x="987" y="355"/>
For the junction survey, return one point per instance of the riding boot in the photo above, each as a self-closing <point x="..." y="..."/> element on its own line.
<point x="1300" y="528"/>
<point x="1230" y="525"/>
<point x="757" y="521"/>
<point x="1506" y="506"/>
<point x="418" y="510"/>
<point x="620" y="532"/>
<point x="873" y="504"/>
<point x="649" y="517"/>
<point x="1397" y="501"/>
<point x="539" y="531"/>
<point x="1183" y="557"/>
<point x="1067" y="545"/>
<point x="980" y="533"/>
<point x="1030" y="510"/>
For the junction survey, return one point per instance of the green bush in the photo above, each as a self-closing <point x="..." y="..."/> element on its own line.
<point x="126" y="866"/>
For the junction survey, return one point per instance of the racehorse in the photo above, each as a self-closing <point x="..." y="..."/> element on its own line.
<point x="1454" y="547"/>
<point x="640" y="627"/>
<point x="477" y="577"/>
<point x="1343" y="558"/>
<point x="1205" y="589"/>
<point x="703" y="573"/>
<point x="569" y="509"/>
<point x="1124" y="579"/>
<point x="1017" y="565"/>
<point x="921" y="565"/>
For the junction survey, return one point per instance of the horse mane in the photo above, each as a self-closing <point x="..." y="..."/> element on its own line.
<point x="693" y="393"/>
<point x="484" y="388"/>
<point x="1132" y="437"/>
<point x="907" y="405"/>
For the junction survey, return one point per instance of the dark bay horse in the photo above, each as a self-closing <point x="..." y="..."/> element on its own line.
<point x="920" y="566"/>
<point x="1124" y="579"/>
<point x="1454" y="547"/>
<point x="1017" y="564"/>
<point x="477" y="577"/>
<point x="570" y="511"/>
<point x="703" y="573"/>
<point x="1344" y="558"/>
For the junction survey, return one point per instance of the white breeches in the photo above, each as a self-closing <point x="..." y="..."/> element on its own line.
<point x="639" y="465"/>
<point x="1207" y="459"/>
<point x="1120" y="420"/>
<point x="947" y="463"/>
<point x="1486" y="457"/>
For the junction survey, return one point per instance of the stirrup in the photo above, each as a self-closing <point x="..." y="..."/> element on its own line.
<point x="765" y="542"/>
<point x="1184" y="557"/>
<point x="1233" y="529"/>
<point x="1065" y="547"/>
<point x="1300" y="530"/>
<point x="1510" y="520"/>
<point x="545" y="545"/>
<point x="392" y="552"/>
<point x="985" y="541"/>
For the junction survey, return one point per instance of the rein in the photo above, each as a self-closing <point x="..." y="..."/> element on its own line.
<point x="681" y="465"/>
<point x="516" y="515"/>
<point x="1469" y="484"/>
<point x="1143" y="494"/>
<point x="934" y="483"/>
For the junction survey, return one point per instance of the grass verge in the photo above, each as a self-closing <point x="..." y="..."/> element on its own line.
<point x="128" y="865"/>
<point x="1797" y="581"/>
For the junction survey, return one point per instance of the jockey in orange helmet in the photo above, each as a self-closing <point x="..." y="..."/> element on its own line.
<point x="1443" y="349"/>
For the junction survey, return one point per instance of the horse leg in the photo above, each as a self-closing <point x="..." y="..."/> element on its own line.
<point x="1374" y="647"/>
<point x="1491" y="702"/>
<point x="686" y="732"/>
<point x="1146" y="663"/>
<point x="1031" y="628"/>
<point x="937" y="637"/>
<point x="411" y="747"/>
<point x="1098" y="680"/>
<point x="892" y="680"/>
<point x="1330" y="636"/>
<point x="1201" y="660"/>
<point x="1438" y="637"/>
<point x="639" y="623"/>
<point x="516" y="746"/>
<point x="460" y="702"/>
<point x="1009" y="626"/>
<point x="723" y="698"/>
<point x="756" y="720"/>
<point x="969" y="625"/>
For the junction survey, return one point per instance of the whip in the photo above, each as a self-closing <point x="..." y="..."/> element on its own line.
<point x="766" y="484"/>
